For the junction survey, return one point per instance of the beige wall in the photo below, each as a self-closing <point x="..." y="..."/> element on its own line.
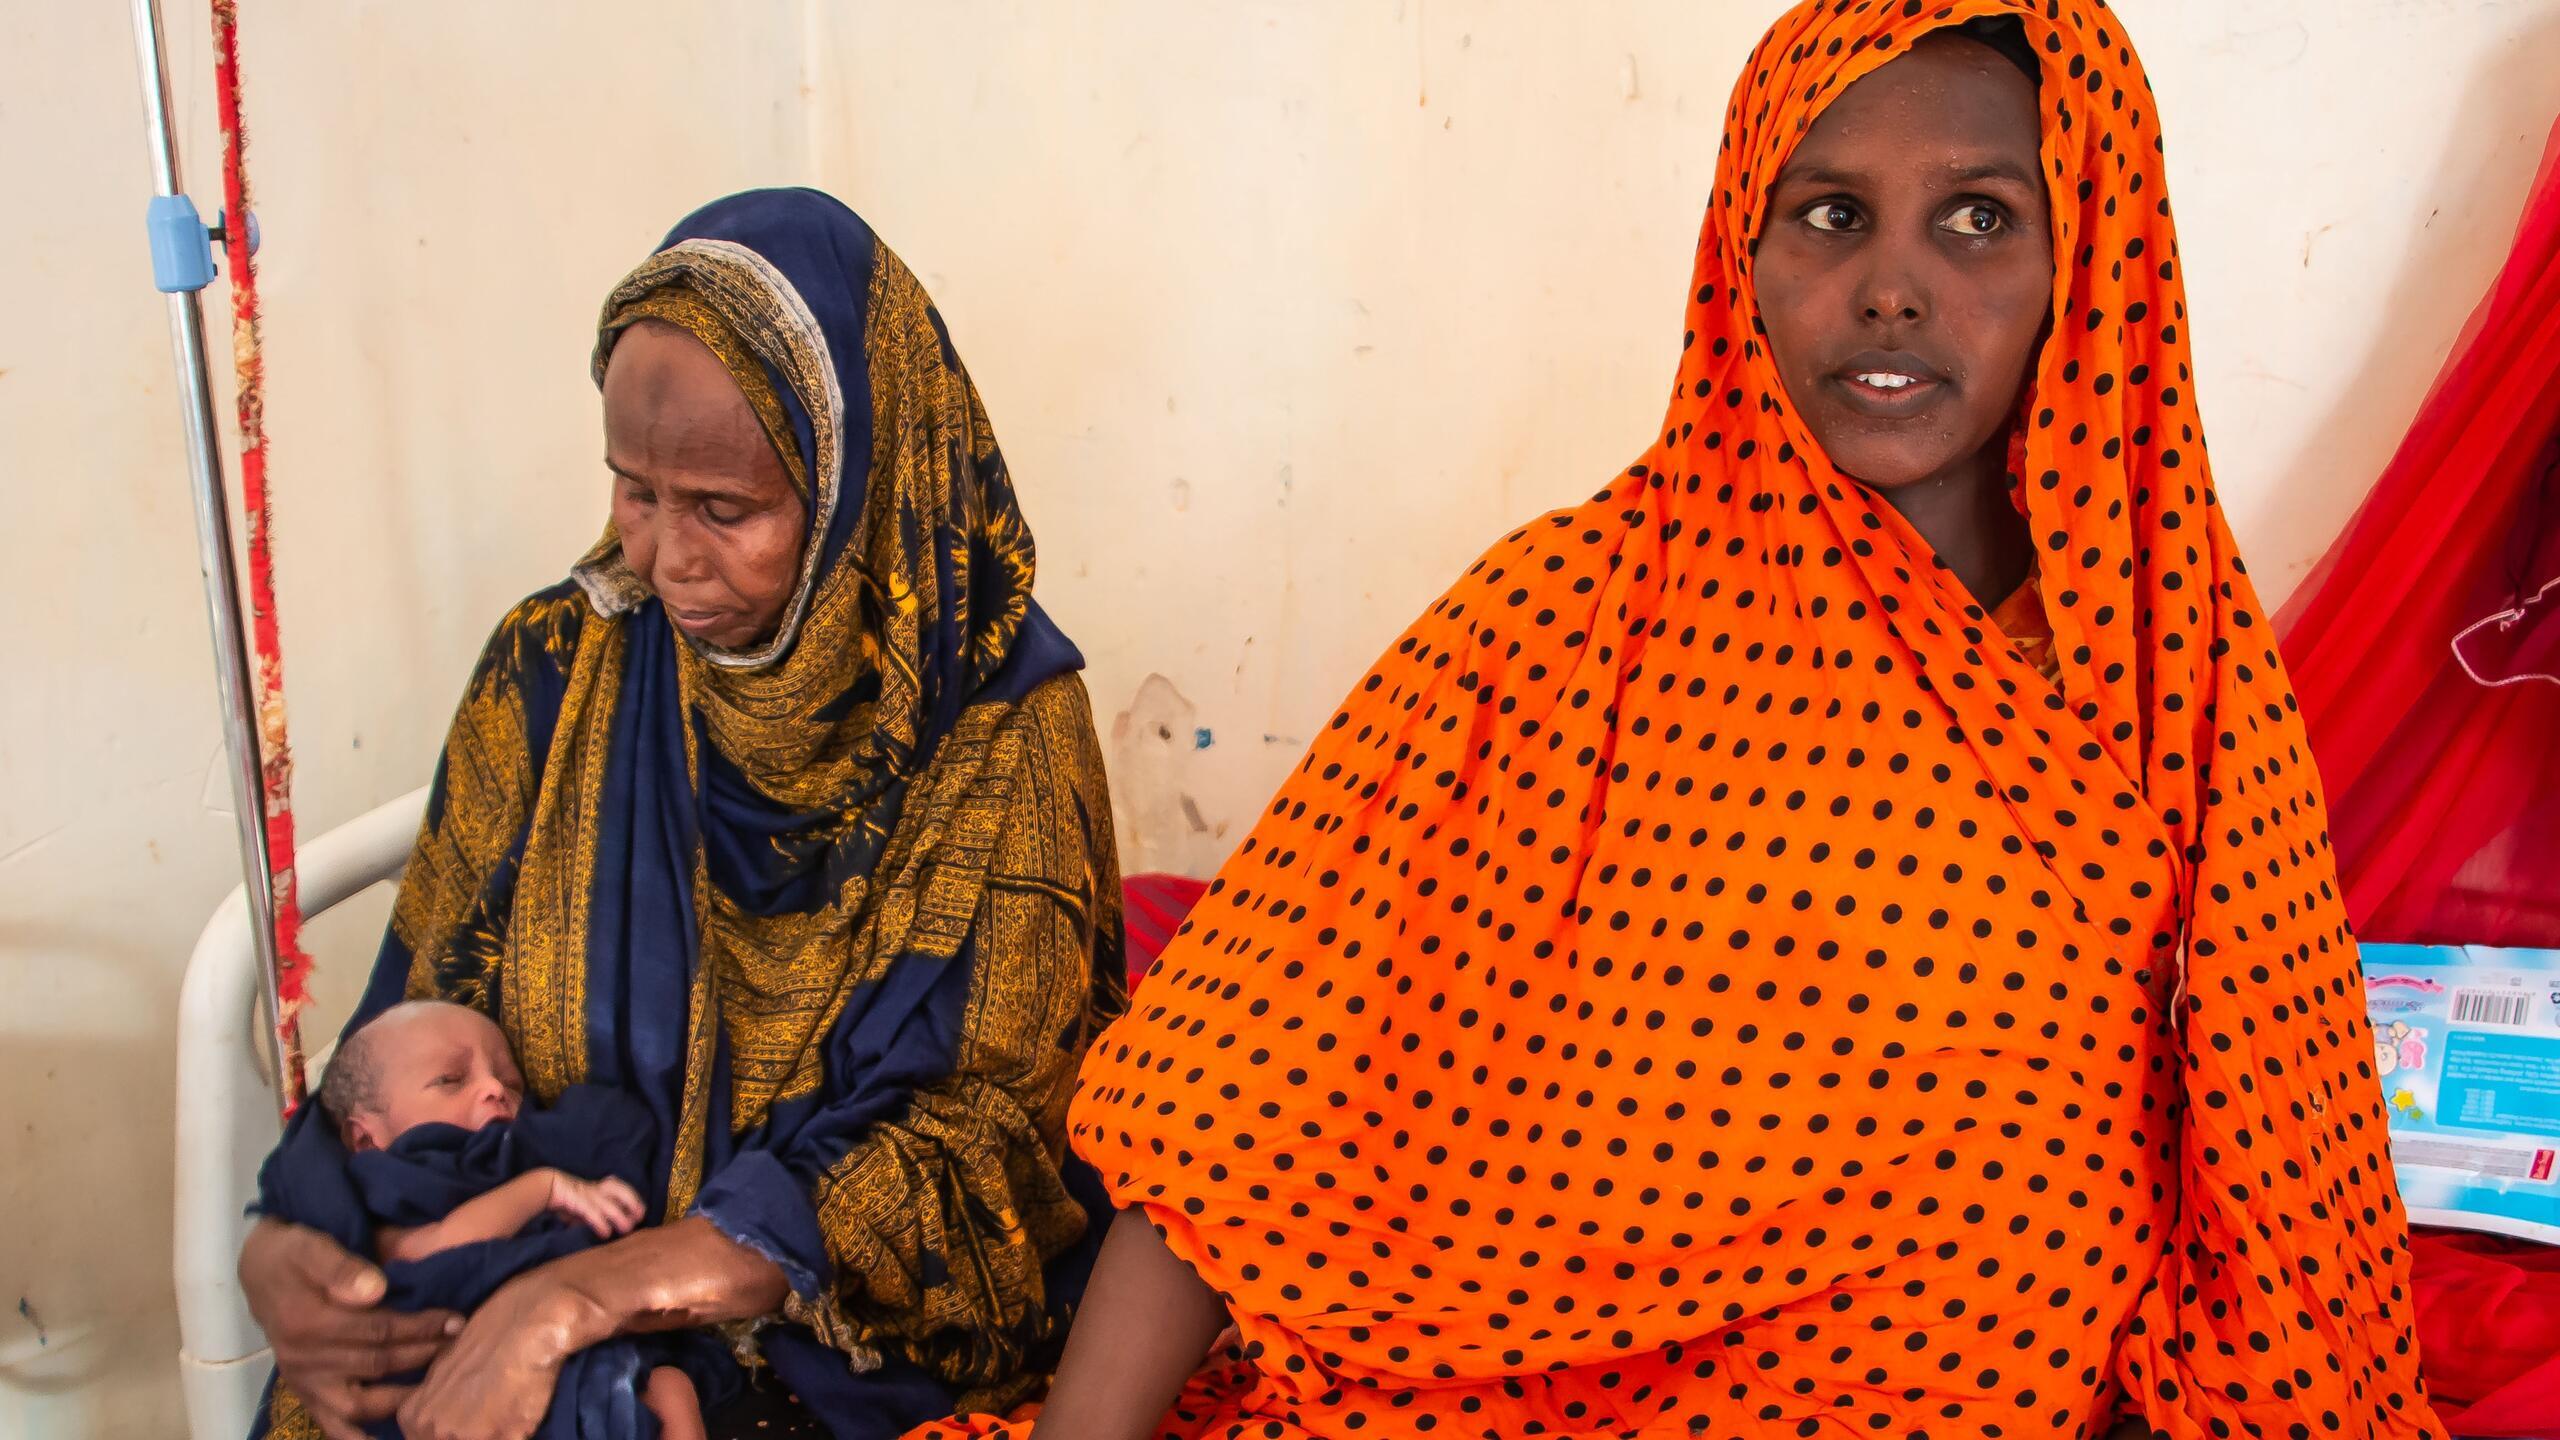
<point x="1283" y="309"/>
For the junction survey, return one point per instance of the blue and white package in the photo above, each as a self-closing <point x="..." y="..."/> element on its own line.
<point x="2466" y="1039"/>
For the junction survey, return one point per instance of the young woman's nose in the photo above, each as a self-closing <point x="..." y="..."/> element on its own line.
<point x="1890" y="289"/>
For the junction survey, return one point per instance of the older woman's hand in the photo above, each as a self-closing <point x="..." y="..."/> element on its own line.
<point x="317" y="1305"/>
<point x="496" y="1381"/>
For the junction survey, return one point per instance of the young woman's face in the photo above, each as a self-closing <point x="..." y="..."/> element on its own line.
<point x="1905" y="264"/>
<point x="706" y="511"/>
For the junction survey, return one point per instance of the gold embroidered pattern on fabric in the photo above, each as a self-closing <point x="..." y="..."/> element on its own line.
<point x="767" y="721"/>
<point x="543" y="1007"/>
<point x="693" y="1118"/>
<point x="930" y="433"/>
<point x="1028" y="845"/>
<point x="781" y="980"/>
<point x="488" y="792"/>
<point x="287" y="1420"/>
<point x="1000" y="845"/>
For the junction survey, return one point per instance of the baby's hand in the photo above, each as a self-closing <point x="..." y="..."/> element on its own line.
<point x="607" y="1206"/>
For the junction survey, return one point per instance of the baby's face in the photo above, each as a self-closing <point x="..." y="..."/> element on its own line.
<point x="439" y="1065"/>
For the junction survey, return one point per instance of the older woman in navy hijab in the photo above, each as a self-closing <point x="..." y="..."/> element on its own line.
<point x="782" y="816"/>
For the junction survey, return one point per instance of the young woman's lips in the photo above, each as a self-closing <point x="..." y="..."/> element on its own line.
<point x="1887" y="392"/>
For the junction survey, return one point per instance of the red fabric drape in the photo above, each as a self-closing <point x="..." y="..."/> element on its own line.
<point x="1155" y="905"/>
<point x="2445" y="795"/>
<point x="2489" y="1332"/>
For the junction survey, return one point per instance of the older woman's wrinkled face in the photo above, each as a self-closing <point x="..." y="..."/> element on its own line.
<point x="706" y="511"/>
<point x="1905" y="267"/>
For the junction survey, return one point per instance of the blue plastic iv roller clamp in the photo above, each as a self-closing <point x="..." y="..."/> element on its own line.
<point x="182" y="245"/>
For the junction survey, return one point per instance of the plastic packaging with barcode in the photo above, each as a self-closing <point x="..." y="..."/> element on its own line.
<point x="2466" y="1040"/>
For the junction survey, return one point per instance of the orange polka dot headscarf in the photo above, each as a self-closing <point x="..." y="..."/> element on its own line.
<point x="1705" y="981"/>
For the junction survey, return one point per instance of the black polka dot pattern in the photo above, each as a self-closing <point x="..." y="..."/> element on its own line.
<point x="1704" y="981"/>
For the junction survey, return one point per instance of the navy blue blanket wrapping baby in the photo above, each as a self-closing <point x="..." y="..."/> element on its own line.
<point x="590" y="1132"/>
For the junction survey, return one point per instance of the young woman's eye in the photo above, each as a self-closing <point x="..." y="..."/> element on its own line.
<point x="1831" y="215"/>
<point x="1976" y="219"/>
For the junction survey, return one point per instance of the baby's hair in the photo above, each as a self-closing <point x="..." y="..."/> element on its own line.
<point x="352" y="1080"/>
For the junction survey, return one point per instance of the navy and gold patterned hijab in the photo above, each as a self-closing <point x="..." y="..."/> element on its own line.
<point x="842" y="908"/>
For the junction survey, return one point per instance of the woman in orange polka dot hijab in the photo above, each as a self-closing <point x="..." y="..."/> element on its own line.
<point x="1834" y="936"/>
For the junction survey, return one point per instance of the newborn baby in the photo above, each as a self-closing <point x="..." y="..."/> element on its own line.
<point x="431" y="1063"/>
<point x="427" y="1099"/>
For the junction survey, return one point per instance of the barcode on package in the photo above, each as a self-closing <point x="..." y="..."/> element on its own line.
<point x="2503" y="1162"/>
<point x="2492" y="1007"/>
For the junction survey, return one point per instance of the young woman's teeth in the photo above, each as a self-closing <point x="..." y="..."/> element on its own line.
<point x="1881" y="381"/>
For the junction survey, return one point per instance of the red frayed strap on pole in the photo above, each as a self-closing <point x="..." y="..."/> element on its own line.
<point x="293" y="967"/>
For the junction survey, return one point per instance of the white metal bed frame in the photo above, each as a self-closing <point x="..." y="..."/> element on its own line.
<point x="227" y="1115"/>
